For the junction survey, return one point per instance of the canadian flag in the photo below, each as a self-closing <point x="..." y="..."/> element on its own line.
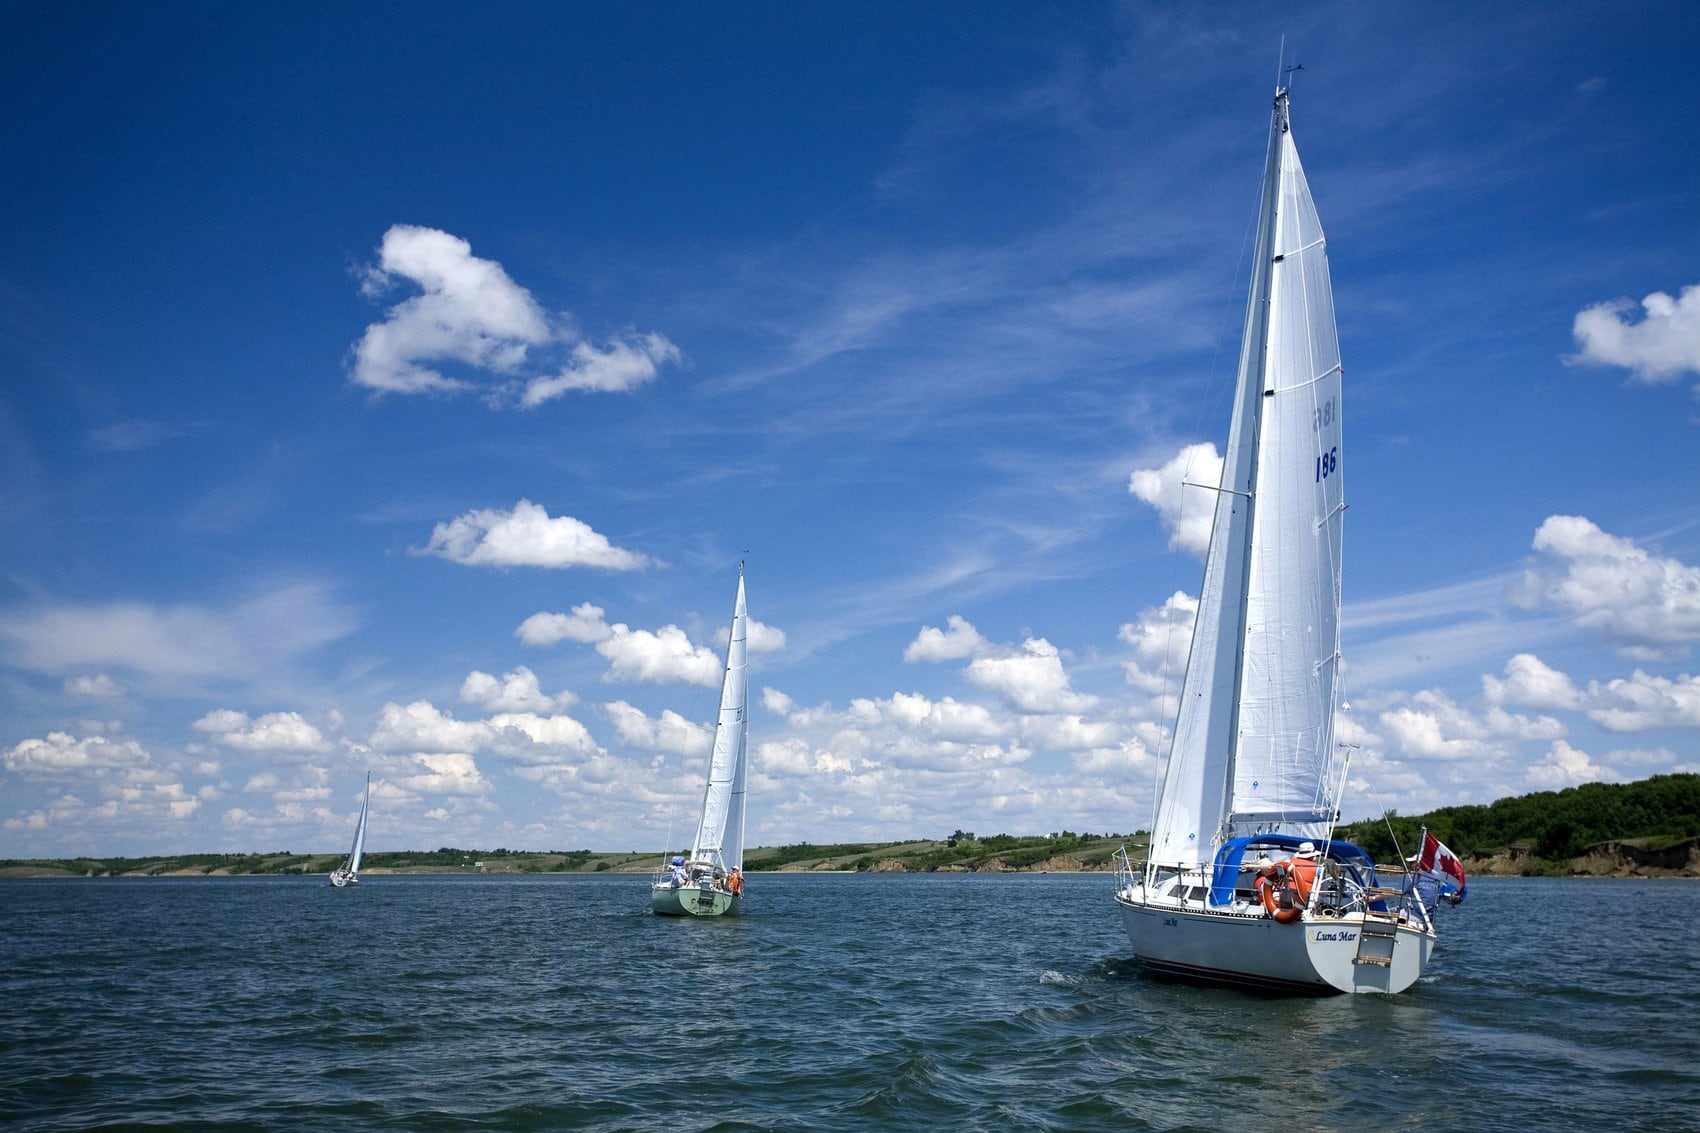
<point x="1442" y="863"/>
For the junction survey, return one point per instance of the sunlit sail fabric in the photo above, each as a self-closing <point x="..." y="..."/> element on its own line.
<point x="360" y="830"/>
<point x="1253" y="744"/>
<point x="720" y="835"/>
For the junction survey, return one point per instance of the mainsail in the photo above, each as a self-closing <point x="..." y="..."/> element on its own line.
<point x="720" y="835"/>
<point x="360" y="829"/>
<point x="1253" y="744"/>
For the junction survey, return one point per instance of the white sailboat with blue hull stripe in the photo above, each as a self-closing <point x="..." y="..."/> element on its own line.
<point x="1243" y="882"/>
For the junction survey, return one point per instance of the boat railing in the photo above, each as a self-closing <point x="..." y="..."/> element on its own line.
<point x="1347" y="892"/>
<point x="1132" y="872"/>
<point x="1125" y="876"/>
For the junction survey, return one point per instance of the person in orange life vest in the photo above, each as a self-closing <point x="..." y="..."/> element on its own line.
<point x="1302" y="871"/>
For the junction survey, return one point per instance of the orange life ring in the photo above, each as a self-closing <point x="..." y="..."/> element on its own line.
<point x="1272" y="882"/>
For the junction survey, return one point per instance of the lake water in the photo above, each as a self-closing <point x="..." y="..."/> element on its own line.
<point x="891" y="1002"/>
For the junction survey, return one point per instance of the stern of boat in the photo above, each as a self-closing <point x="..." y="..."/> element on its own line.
<point x="1381" y="946"/>
<point x="693" y="901"/>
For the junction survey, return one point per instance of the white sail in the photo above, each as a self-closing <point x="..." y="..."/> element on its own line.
<point x="720" y="835"/>
<point x="1253" y="737"/>
<point x="360" y="829"/>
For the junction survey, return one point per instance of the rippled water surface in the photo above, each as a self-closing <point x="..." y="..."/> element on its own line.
<point x="978" y="1002"/>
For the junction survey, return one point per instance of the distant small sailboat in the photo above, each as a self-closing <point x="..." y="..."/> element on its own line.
<point x="348" y="873"/>
<point x="1244" y="882"/>
<point x="710" y="882"/>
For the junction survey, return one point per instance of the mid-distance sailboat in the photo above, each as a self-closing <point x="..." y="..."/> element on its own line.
<point x="348" y="873"/>
<point x="710" y="882"/>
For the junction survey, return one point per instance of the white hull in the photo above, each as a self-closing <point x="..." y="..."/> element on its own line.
<point x="1319" y="954"/>
<point x="341" y="877"/>
<point x="693" y="901"/>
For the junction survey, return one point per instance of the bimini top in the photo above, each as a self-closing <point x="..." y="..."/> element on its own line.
<point x="1225" y="870"/>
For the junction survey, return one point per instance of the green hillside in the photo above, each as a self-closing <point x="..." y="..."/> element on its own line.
<point x="1552" y="826"/>
<point x="1652" y="825"/>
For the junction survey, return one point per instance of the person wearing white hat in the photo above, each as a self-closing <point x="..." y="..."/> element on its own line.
<point x="1302" y="871"/>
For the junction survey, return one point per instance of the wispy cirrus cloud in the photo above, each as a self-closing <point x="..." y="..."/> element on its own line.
<point x="242" y="639"/>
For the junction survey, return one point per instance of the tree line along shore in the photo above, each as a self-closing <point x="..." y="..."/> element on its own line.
<point x="1649" y="828"/>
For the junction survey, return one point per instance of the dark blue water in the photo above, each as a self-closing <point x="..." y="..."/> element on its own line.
<point x="838" y="1002"/>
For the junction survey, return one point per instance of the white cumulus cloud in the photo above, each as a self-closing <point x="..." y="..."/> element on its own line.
<point x="527" y="536"/>
<point x="1187" y="513"/>
<point x="670" y="733"/>
<point x="280" y="732"/>
<point x="1565" y="766"/>
<point x="1647" y="606"/>
<point x="453" y="773"/>
<point x="586" y="624"/>
<point x="1432" y="726"/>
<point x="622" y="365"/>
<point x="422" y="727"/>
<point x="469" y="312"/>
<point x="517" y="691"/>
<point x="1531" y="683"/>
<point x="470" y="315"/>
<point x="960" y="640"/>
<point x="1643" y="703"/>
<point x="533" y="740"/>
<point x="1662" y="346"/>
<point x="1029" y="679"/>
<point x="1161" y="640"/>
<point x="663" y="656"/>
<point x="62" y="755"/>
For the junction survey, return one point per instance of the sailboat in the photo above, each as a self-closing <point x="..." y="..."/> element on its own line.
<point x="709" y="882"/>
<point x="1244" y="882"/>
<point x="348" y="873"/>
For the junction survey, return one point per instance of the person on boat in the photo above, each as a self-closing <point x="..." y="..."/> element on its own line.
<point x="735" y="882"/>
<point x="680" y="877"/>
<point x="1301" y="871"/>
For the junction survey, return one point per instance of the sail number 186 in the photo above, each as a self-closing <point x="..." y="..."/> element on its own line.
<point x="1327" y="464"/>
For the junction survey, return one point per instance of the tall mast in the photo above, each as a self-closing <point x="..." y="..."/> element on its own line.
<point x="1253" y="387"/>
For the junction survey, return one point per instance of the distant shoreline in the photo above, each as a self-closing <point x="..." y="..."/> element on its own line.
<point x="1615" y="859"/>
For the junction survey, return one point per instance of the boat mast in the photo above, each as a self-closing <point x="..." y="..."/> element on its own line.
<point x="1253" y="389"/>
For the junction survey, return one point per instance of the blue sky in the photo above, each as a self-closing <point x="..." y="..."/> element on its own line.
<point x="397" y="387"/>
